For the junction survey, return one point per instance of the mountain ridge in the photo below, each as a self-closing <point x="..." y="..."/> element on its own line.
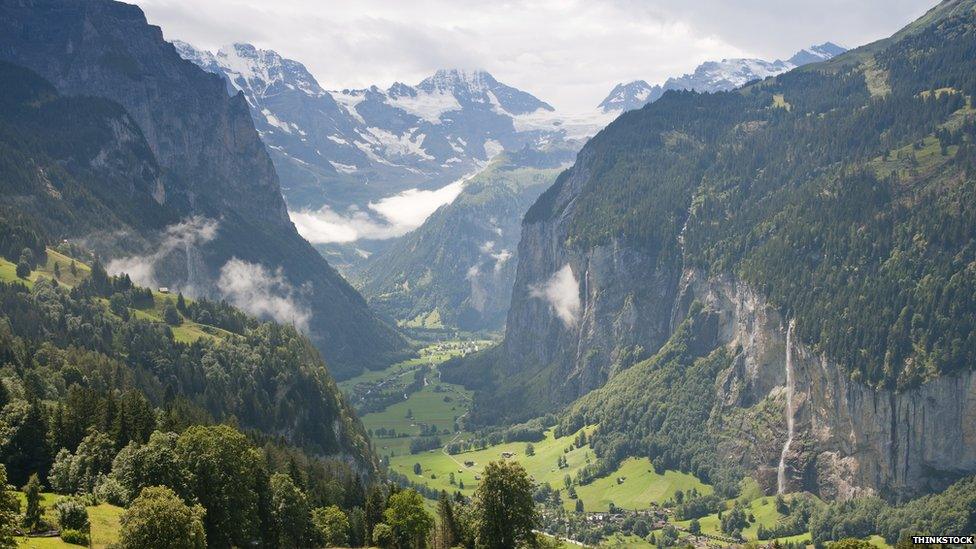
<point x="363" y="145"/>
<point x="713" y="76"/>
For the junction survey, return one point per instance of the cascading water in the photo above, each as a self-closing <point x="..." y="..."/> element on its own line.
<point x="781" y="472"/>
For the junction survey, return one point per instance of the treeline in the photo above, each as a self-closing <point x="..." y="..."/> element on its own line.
<point x="269" y="379"/>
<point x="951" y="511"/>
<point x="533" y="430"/>
<point x="247" y="495"/>
<point x="19" y="243"/>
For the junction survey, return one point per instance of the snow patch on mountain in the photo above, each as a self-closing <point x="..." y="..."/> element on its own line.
<point x="713" y="76"/>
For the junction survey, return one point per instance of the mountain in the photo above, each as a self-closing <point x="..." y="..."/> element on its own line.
<point x="816" y="54"/>
<point x="73" y="165"/>
<point x="713" y="76"/>
<point x="207" y="214"/>
<point x="457" y="269"/>
<point x="352" y="147"/>
<point x="627" y="97"/>
<point x="775" y="281"/>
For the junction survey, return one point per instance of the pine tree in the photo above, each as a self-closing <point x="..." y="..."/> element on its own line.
<point x="447" y="530"/>
<point x="9" y="507"/>
<point x="375" y="503"/>
<point x="33" y="513"/>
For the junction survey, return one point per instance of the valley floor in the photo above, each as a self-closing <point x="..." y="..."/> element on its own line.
<point x="408" y="402"/>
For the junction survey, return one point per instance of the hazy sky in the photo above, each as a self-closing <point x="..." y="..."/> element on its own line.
<point x="569" y="53"/>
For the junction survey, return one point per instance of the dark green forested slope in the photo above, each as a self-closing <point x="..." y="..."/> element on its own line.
<point x="107" y="388"/>
<point x="844" y="195"/>
<point x="843" y="191"/>
<point x="96" y="338"/>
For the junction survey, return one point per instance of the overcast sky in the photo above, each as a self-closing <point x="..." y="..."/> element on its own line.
<point x="567" y="52"/>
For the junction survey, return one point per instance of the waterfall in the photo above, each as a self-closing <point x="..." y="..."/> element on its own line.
<point x="781" y="472"/>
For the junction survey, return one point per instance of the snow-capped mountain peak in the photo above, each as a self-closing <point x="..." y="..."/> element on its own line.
<point x="451" y="80"/>
<point x="629" y="96"/>
<point x="713" y="76"/>
<point x="366" y="144"/>
<point x="817" y="53"/>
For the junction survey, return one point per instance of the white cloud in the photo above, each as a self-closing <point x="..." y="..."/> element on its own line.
<point x="185" y="236"/>
<point x="389" y="217"/>
<point x="567" y="52"/>
<point x="561" y="291"/>
<point x="255" y="290"/>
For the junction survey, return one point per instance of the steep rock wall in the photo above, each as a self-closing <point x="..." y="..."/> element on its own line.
<point x="851" y="439"/>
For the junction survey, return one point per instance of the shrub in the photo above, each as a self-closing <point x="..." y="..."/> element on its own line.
<point x="74" y="537"/>
<point x="71" y="514"/>
<point x="110" y="490"/>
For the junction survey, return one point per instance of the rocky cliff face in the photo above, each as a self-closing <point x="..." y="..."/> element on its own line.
<point x="578" y="315"/>
<point x="236" y="241"/>
<point x="850" y="439"/>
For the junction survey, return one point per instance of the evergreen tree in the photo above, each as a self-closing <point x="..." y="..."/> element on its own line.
<point x="447" y="530"/>
<point x="375" y="503"/>
<point x="33" y="514"/>
<point x="9" y="509"/>
<point x="171" y="315"/>
<point x="25" y="445"/>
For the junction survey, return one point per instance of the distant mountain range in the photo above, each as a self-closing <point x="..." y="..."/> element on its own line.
<point x="713" y="76"/>
<point x="350" y="147"/>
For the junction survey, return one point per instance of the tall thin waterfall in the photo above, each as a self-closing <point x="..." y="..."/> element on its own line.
<point x="781" y="472"/>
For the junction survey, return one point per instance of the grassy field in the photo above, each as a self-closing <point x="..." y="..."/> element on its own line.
<point x="187" y="332"/>
<point x="634" y="485"/>
<point x="763" y="509"/>
<point x="622" y="541"/>
<point x="8" y="270"/>
<point x="436" y="403"/>
<point x="104" y="521"/>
